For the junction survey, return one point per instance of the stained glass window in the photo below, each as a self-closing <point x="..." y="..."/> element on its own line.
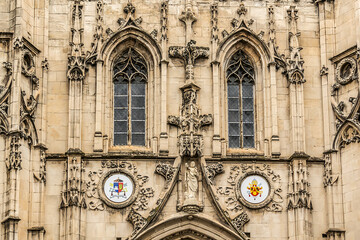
<point x="130" y="78"/>
<point x="240" y="95"/>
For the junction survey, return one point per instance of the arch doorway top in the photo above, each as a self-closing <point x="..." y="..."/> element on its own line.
<point x="189" y="227"/>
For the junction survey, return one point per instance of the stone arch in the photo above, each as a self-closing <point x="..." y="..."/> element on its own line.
<point x="260" y="56"/>
<point x="197" y="227"/>
<point x="123" y="35"/>
<point x="348" y="132"/>
<point x="243" y="35"/>
<point x="137" y="39"/>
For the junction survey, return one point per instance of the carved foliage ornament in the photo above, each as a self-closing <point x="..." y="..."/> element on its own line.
<point x="76" y="59"/>
<point x="164" y="19"/>
<point x="41" y="174"/>
<point x="130" y="19"/>
<point x="14" y="160"/>
<point x="27" y="117"/>
<point x="4" y="98"/>
<point x="299" y="195"/>
<point x="74" y="186"/>
<point x="329" y="177"/>
<point x="137" y="221"/>
<point x="167" y="171"/>
<point x="213" y="170"/>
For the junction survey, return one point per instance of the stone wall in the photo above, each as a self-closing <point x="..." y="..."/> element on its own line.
<point x="57" y="107"/>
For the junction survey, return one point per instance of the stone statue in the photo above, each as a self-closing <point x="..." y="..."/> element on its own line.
<point x="191" y="181"/>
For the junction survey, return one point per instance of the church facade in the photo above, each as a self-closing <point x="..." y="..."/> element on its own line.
<point x="169" y="119"/>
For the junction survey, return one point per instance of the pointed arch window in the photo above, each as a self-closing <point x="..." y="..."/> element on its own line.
<point x="130" y="80"/>
<point x="240" y="77"/>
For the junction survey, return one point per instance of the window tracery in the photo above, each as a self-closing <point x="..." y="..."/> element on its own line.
<point x="240" y="76"/>
<point x="130" y="79"/>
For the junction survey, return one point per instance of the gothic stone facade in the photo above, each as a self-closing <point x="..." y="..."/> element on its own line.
<point x="169" y="119"/>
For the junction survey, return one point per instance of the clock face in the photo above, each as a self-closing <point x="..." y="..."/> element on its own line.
<point x="254" y="189"/>
<point x="118" y="188"/>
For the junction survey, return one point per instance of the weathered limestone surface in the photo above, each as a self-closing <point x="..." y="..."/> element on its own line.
<point x="57" y="119"/>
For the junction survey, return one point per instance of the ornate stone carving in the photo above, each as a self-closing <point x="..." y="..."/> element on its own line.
<point x="18" y="43"/>
<point x="213" y="170"/>
<point x="295" y="70"/>
<point x="191" y="208"/>
<point x="14" y="160"/>
<point x="266" y="168"/>
<point x="241" y="20"/>
<point x="28" y="68"/>
<point x="232" y="204"/>
<point x="154" y="34"/>
<point x="27" y="117"/>
<point x="130" y="19"/>
<point x="190" y="120"/>
<point x="45" y="64"/>
<point x="186" y="233"/>
<point x="41" y="174"/>
<point x="8" y="67"/>
<point x="214" y="22"/>
<point x="346" y="71"/>
<point x="324" y="71"/>
<point x="277" y="58"/>
<point x="239" y="221"/>
<point x="348" y="135"/>
<point x="189" y="54"/>
<point x="329" y="177"/>
<point x="188" y="16"/>
<point x="74" y="186"/>
<point x="76" y="59"/>
<point x="191" y="181"/>
<point x="98" y="35"/>
<point x="298" y="194"/>
<point x="224" y="34"/>
<point x="164" y="19"/>
<point x="276" y="204"/>
<point x="167" y="171"/>
<point x="137" y="221"/>
<point x="92" y="190"/>
<point x="142" y="200"/>
<point x="4" y="99"/>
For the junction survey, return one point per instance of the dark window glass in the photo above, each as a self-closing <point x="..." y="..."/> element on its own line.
<point x="240" y="93"/>
<point x="130" y="78"/>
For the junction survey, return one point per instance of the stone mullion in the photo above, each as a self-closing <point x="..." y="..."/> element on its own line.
<point x="164" y="145"/>
<point x="267" y="115"/>
<point x="357" y="22"/>
<point x="301" y="117"/>
<point x="293" y="135"/>
<point x="333" y="189"/>
<point x="275" y="142"/>
<point x="326" y="25"/>
<point x="334" y="200"/>
<point x="216" y="108"/>
<point x="98" y="138"/>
